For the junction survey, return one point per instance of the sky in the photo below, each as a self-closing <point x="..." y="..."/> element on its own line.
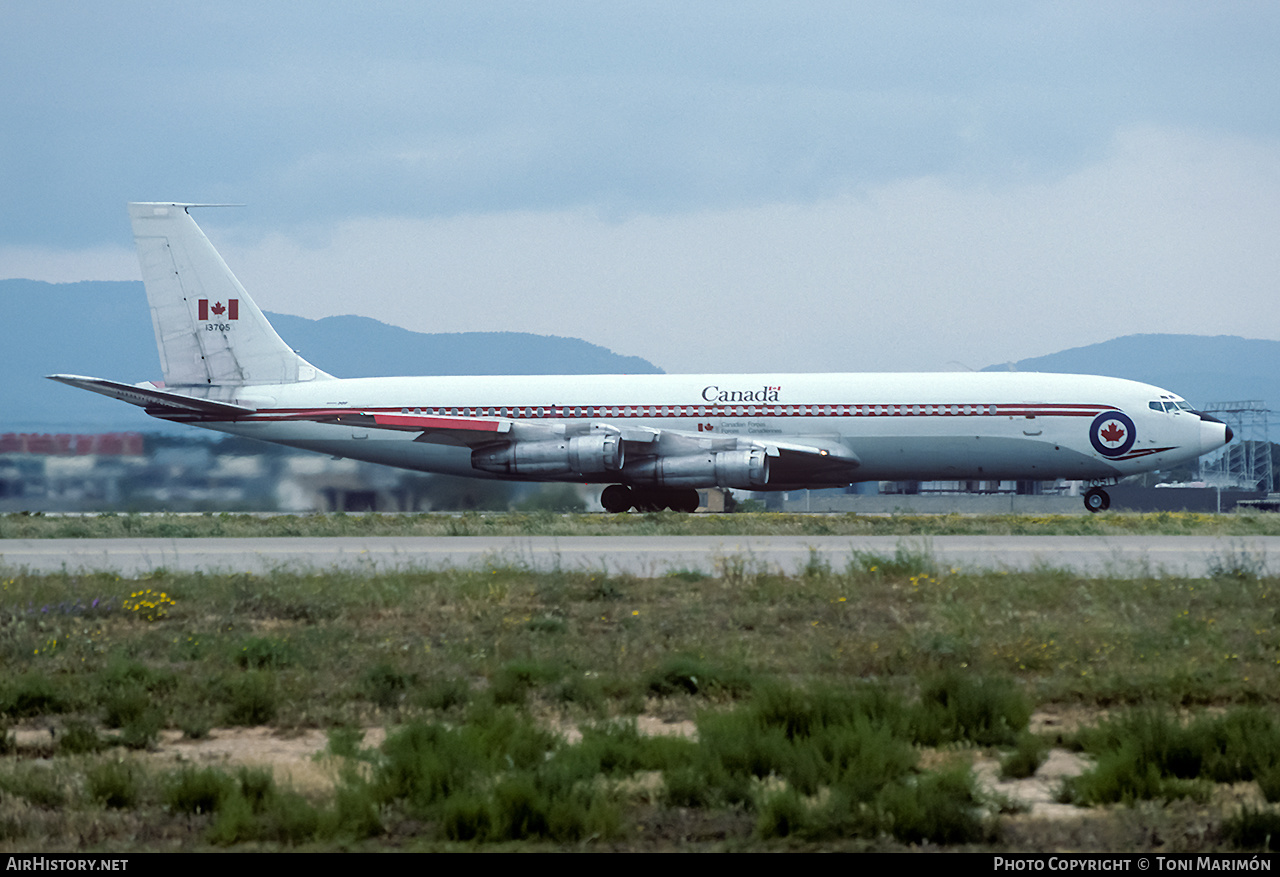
<point x="713" y="186"/>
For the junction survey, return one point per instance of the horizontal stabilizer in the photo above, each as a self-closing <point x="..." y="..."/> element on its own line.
<point x="160" y="403"/>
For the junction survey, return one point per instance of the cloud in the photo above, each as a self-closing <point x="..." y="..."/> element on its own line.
<point x="1171" y="231"/>
<point x="69" y="266"/>
<point x="439" y="110"/>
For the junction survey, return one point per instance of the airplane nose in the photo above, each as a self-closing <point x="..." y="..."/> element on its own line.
<point x="1213" y="433"/>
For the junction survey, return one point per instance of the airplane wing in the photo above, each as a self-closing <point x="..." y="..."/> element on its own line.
<point x="164" y="404"/>
<point x="795" y="461"/>
<point x="808" y="460"/>
<point x="467" y="432"/>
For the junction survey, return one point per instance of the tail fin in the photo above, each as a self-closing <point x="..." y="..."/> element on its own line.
<point x="207" y="328"/>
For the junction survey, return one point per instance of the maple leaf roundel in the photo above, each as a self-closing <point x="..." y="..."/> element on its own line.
<point x="1112" y="434"/>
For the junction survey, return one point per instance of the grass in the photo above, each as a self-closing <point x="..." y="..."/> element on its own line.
<point x="1148" y="753"/>
<point x="837" y="707"/>
<point x="546" y="523"/>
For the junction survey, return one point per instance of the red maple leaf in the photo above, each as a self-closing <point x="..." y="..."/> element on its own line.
<point x="1113" y="433"/>
<point x="218" y="308"/>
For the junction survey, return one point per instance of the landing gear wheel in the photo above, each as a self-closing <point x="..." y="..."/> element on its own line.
<point x="1097" y="500"/>
<point x="648" y="500"/>
<point x="684" y="501"/>
<point x="616" y="498"/>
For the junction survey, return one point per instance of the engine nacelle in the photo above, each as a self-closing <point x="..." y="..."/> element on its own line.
<point x="742" y="469"/>
<point x="580" y="455"/>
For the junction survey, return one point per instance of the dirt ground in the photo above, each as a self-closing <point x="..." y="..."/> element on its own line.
<point x="297" y="758"/>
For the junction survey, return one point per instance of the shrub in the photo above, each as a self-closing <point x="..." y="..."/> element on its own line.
<point x="31" y="694"/>
<point x="196" y="723"/>
<point x="1025" y="759"/>
<point x="345" y="742"/>
<point x="355" y="813"/>
<point x="958" y="707"/>
<point x="385" y="686"/>
<point x="940" y="808"/>
<point x="1150" y="754"/>
<point x="114" y="784"/>
<point x="513" y="681"/>
<point x="250" y="698"/>
<point x="426" y="762"/>
<point x="125" y="674"/>
<point x="1269" y="783"/>
<point x="78" y="738"/>
<point x="124" y="706"/>
<point x="519" y="810"/>
<point x="40" y="786"/>
<point x="266" y="653"/>
<point x="442" y="693"/>
<point x="235" y="821"/>
<point x="687" y="786"/>
<point x="1126" y="775"/>
<point x="496" y="777"/>
<point x="197" y="791"/>
<point x="1254" y="830"/>
<point x="1237" y="746"/>
<point x="689" y="675"/>
<point x="466" y="817"/>
<point x="585" y="690"/>
<point x="781" y="813"/>
<point x="811" y="739"/>
<point x="143" y="731"/>
<point x="134" y="712"/>
<point x="254" y="809"/>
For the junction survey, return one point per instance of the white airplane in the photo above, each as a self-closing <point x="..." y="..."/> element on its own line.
<point x="654" y="439"/>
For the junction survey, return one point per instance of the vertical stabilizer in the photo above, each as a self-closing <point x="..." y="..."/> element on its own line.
<point x="208" y="329"/>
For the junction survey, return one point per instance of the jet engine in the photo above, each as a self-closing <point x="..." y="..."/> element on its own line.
<point x="743" y="469"/>
<point x="580" y="455"/>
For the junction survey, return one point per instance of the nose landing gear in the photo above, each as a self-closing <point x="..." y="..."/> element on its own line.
<point x="618" y="498"/>
<point x="1097" y="500"/>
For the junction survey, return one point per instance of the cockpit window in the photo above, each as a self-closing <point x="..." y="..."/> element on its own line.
<point x="1185" y="406"/>
<point x="1155" y="406"/>
<point x="1170" y="407"/>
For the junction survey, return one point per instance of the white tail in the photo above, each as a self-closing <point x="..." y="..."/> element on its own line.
<point x="208" y="329"/>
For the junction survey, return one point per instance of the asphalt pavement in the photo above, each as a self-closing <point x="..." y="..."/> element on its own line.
<point x="641" y="555"/>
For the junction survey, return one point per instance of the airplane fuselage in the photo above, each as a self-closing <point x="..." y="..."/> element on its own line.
<point x="946" y="426"/>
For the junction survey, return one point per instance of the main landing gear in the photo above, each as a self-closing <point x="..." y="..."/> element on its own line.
<point x="618" y="498"/>
<point x="1097" y="500"/>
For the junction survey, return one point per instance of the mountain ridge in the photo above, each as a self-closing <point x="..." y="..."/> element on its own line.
<point x="103" y="329"/>
<point x="1201" y="368"/>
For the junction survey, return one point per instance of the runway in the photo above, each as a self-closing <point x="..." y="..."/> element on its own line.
<point x="1194" y="556"/>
